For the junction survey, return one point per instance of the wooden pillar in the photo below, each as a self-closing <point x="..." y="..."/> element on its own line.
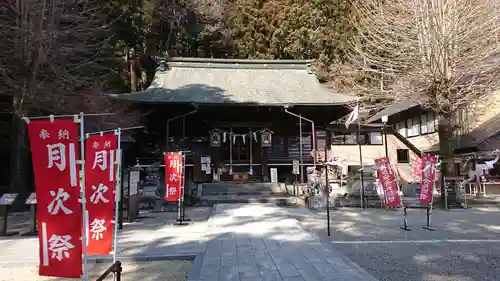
<point x="265" y="170"/>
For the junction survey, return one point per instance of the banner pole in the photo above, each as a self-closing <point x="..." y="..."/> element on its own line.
<point x="179" y="203"/>
<point x="400" y="194"/>
<point x="117" y="191"/>
<point x="429" y="209"/>
<point x="83" y="198"/>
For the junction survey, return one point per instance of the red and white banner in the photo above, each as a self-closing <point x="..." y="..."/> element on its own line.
<point x="387" y="181"/>
<point x="417" y="166"/>
<point x="54" y="150"/>
<point x="174" y="175"/>
<point x="100" y="187"/>
<point x="428" y="178"/>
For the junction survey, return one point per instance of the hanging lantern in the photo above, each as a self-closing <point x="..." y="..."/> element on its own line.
<point x="215" y="138"/>
<point x="224" y="137"/>
<point x="266" y="137"/>
<point x="243" y="138"/>
<point x="234" y="139"/>
<point x="254" y="136"/>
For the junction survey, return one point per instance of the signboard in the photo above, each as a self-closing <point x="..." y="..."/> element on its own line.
<point x="274" y="175"/>
<point x="206" y="164"/>
<point x="8" y="199"/>
<point x="134" y="182"/>
<point x="295" y="167"/>
<point x="31" y="200"/>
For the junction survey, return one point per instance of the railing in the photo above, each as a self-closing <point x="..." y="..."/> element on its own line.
<point x="115" y="268"/>
<point x="405" y="141"/>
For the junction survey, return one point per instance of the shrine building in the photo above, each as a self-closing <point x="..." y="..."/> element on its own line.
<point x="237" y="119"/>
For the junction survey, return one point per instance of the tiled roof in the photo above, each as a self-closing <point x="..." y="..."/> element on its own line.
<point x="228" y="81"/>
<point x="484" y="133"/>
<point x="392" y="109"/>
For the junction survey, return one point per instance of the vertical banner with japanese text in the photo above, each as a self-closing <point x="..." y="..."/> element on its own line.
<point x="417" y="166"/>
<point x="54" y="150"/>
<point x="387" y="180"/>
<point x="428" y="179"/>
<point x="100" y="185"/>
<point x="174" y="175"/>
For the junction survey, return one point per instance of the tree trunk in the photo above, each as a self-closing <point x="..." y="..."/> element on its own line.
<point x="19" y="173"/>
<point x="134" y="79"/>
<point x="445" y="133"/>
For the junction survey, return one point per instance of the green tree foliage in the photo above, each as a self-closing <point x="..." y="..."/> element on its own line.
<point x="290" y="29"/>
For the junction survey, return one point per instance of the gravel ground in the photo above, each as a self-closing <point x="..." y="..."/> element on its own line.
<point x="132" y="271"/>
<point x="464" y="247"/>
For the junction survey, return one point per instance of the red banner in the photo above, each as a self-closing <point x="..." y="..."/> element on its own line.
<point x="54" y="150"/>
<point x="387" y="181"/>
<point x="174" y="175"/>
<point x="416" y="168"/>
<point x="100" y="187"/>
<point x="428" y="178"/>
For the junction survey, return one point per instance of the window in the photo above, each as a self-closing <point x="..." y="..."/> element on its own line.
<point x="375" y="137"/>
<point x="423" y="124"/>
<point x="351" y="138"/>
<point x="401" y="128"/>
<point x="337" y="138"/>
<point x="403" y="155"/>
<point x="431" y="123"/>
<point x="413" y="126"/>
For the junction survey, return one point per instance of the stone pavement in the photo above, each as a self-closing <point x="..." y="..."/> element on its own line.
<point x="259" y="242"/>
<point x="152" y="236"/>
<point x="240" y="242"/>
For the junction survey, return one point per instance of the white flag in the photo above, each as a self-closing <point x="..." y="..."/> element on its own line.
<point x="353" y="116"/>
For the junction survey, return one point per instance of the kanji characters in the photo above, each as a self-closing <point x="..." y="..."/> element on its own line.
<point x="172" y="191"/>
<point x="57" y="203"/>
<point x="95" y="145"/>
<point x="44" y="134"/>
<point x="172" y="177"/>
<point x="63" y="134"/>
<point x="57" y="156"/>
<point x="97" y="228"/>
<point x="173" y="163"/>
<point x="60" y="246"/>
<point x="98" y="194"/>
<point x="100" y="160"/>
<point x="107" y="144"/>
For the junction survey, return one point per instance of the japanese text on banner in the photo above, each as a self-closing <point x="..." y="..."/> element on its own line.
<point x="428" y="179"/>
<point x="174" y="175"/>
<point x="54" y="149"/>
<point x="100" y="188"/>
<point x="387" y="181"/>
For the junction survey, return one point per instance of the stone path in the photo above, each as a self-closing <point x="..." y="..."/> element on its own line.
<point x="240" y="242"/>
<point x="258" y="242"/>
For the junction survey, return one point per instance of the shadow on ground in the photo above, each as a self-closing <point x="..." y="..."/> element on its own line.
<point x="358" y="234"/>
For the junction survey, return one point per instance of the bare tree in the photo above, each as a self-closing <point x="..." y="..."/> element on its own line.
<point x="55" y="57"/>
<point x="442" y="54"/>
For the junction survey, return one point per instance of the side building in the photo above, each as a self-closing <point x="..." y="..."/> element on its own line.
<point x="476" y="134"/>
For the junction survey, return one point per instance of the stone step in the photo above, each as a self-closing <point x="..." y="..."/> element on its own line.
<point x="243" y="192"/>
<point x="278" y="200"/>
<point x="244" y="187"/>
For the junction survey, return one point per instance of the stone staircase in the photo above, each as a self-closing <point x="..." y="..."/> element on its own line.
<point x="226" y="192"/>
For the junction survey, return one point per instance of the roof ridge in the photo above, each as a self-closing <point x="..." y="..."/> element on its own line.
<point x="235" y="61"/>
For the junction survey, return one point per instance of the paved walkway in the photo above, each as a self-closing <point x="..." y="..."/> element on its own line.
<point x="240" y="242"/>
<point x="258" y="242"/>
